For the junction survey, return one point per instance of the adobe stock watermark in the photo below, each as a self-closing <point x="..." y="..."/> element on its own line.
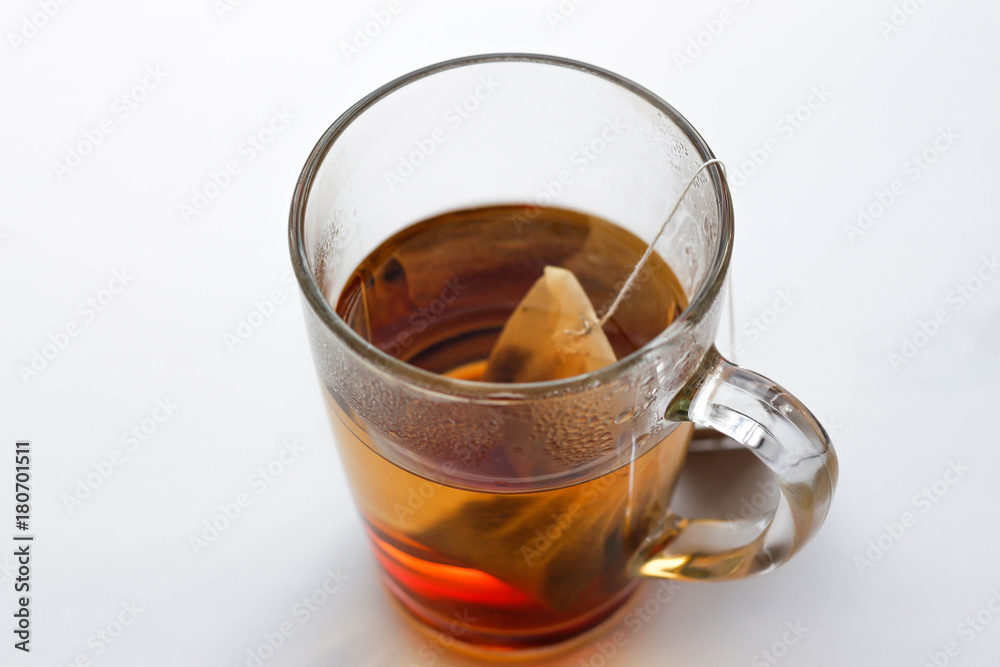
<point x="8" y="568"/>
<point x="544" y="539"/>
<point x="224" y="8"/>
<point x="709" y="34"/>
<point x="966" y="631"/>
<point x="302" y="611"/>
<point x="765" y="498"/>
<point x="425" y="316"/>
<point x="221" y="178"/>
<point x="738" y="172"/>
<point x="42" y="357"/>
<point x="418" y="496"/>
<point x="561" y="523"/>
<point x="830" y="424"/>
<point x="913" y="169"/>
<point x="751" y="507"/>
<point x="956" y="299"/>
<point x="442" y="640"/>
<point x="132" y="439"/>
<point x="762" y="322"/>
<point x="124" y="105"/>
<point x="603" y="652"/>
<point x="772" y="655"/>
<point x="262" y="311"/>
<point x="556" y="16"/>
<point x="900" y="15"/>
<point x="107" y="635"/>
<point x="582" y="158"/>
<point x="453" y="117"/>
<point x="32" y="24"/>
<point x="371" y="29"/>
<point x="922" y="502"/>
<point x="258" y="482"/>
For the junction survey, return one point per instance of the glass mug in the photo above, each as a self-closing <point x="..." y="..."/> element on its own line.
<point x="513" y="517"/>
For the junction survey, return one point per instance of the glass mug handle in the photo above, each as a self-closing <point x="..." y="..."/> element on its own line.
<point x="790" y="441"/>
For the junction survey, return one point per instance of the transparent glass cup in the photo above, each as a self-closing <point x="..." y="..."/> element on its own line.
<point x="522" y="556"/>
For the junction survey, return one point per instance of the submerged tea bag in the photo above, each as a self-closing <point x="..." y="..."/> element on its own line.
<point x="552" y="334"/>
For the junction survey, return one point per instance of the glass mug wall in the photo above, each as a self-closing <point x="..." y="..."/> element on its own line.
<point x="537" y="508"/>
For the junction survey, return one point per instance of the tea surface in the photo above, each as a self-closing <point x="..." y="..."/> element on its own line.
<point x="438" y="293"/>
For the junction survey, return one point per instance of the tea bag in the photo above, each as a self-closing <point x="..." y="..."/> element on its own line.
<point x="552" y="334"/>
<point x="508" y="540"/>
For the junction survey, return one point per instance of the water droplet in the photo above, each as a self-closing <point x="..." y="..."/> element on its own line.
<point x="624" y="415"/>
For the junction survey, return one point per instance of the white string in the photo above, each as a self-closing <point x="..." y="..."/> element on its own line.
<point x="649" y="250"/>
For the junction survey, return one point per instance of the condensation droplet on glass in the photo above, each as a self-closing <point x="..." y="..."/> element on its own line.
<point x="624" y="415"/>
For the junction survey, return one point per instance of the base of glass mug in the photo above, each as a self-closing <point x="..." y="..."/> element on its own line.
<point x="500" y="653"/>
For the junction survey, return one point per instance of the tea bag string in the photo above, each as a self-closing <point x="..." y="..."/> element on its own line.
<point x="649" y="249"/>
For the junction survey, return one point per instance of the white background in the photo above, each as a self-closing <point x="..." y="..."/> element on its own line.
<point x="855" y="299"/>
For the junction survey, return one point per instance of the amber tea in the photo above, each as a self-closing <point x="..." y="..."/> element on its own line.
<point x="509" y="570"/>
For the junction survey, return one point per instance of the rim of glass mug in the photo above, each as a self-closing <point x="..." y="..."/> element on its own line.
<point x="699" y="304"/>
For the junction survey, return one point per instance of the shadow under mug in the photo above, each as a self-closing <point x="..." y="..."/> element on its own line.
<point x="494" y="557"/>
